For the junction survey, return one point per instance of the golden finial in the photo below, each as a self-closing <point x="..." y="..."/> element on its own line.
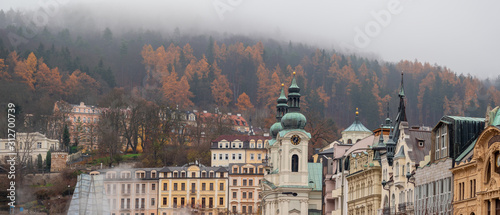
<point x="282" y="84"/>
<point x="293" y="73"/>
<point x="357" y="113"/>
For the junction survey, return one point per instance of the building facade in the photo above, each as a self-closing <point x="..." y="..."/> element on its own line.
<point x="448" y="141"/>
<point x="291" y="185"/>
<point x="228" y="149"/>
<point x="27" y="147"/>
<point x="365" y="176"/>
<point x="193" y="188"/>
<point x="82" y="120"/>
<point x="131" y="191"/>
<point x="405" y="149"/>
<point x="244" y="188"/>
<point x="476" y="176"/>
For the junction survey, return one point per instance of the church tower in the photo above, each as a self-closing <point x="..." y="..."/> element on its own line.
<point x="287" y="185"/>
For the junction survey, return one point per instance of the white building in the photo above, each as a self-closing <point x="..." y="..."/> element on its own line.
<point x="28" y="146"/>
<point x="291" y="185"/>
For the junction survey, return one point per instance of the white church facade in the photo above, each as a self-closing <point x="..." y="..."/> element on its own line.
<point x="291" y="185"/>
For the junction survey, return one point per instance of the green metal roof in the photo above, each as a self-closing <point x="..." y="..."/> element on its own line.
<point x="463" y="118"/>
<point x="401" y="153"/>
<point x="496" y="121"/>
<point x="357" y="126"/>
<point x="271" y="142"/>
<point x="466" y="151"/>
<point x="315" y="175"/>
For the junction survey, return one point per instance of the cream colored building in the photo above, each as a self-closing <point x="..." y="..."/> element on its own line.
<point x="364" y="179"/>
<point x="406" y="148"/>
<point x="27" y="146"/>
<point x="228" y="149"/>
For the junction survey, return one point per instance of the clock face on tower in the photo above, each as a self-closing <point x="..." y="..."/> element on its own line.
<point x="295" y="139"/>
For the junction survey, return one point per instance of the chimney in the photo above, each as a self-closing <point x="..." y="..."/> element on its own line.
<point x="239" y="114"/>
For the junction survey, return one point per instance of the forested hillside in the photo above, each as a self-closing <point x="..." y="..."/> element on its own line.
<point x="233" y="73"/>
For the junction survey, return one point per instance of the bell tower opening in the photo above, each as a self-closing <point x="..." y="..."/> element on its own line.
<point x="295" y="163"/>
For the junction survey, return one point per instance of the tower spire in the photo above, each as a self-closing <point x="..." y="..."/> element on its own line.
<point x="294" y="96"/>
<point x="281" y="107"/>
<point x="402" y="108"/>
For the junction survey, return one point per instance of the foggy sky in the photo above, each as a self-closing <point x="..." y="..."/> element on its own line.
<point x="461" y="35"/>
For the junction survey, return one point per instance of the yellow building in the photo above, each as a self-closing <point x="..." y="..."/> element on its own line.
<point x="228" y="149"/>
<point x="244" y="187"/>
<point x="365" y="176"/>
<point x="477" y="176"/>
<point x="193" y="188"/>
<point x="131" y="191"/>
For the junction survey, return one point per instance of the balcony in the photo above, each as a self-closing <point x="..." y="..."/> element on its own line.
<point x="337" y="193"/>
<point x="387" y="212"/>
<point x="336" y="212"/>
<point x="409" y="206"/>
<point x="401" y="208"/>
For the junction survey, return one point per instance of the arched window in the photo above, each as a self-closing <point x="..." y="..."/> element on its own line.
<point x="295" y="163"/>
<point x="403" y="171"/>
<point x="349" y="141"/>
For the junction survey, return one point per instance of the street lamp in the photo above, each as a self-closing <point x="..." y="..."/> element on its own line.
<point x="389" y="200"/>
<point x="410" y="178"/>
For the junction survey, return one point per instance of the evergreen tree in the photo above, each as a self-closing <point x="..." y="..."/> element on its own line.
<point x="66" y="138"/>
<point x="39" y="162"/>
<point x="48" y="160"/>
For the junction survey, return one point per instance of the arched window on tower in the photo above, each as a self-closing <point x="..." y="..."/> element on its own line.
<point x="295" y="163"/>
<point x="349" y="141"/>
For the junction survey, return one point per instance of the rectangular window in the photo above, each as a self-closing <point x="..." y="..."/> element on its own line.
<point x="128" y="203"/>
<point x="210" y="202"/>
<point x="239" y="156"/>
<point x="122" y="205"/>
<point x="165" y="187"/>
<point x="251" y="156"/>
<point x="211" y="186"/>
<point x="234" y="209"/>
<point x="143" y="188"/>
<point x="153" y="186"/>
<point x="244" y="195"/>
<point x="259" y="157"/>
<point x="250" y="195"/>
<point x="215" y="156"/>
<point x="227" y="156"/>
<point x="175" y="203"/>
<point x="244" y="209"/>
<point x="235" y="170"/>
<point x="250" y="209"/>
<point x="193" y="175"/>
<point x="235" y="182"/>
<point x="137" y="190"/>
<point x="221" y="201"/>
<point x="221" y="186"/>
<point x="152" y="201"/>
<point x="234" y="156"/>
<point x="183" y="186"/>
<point x="234" y="195"/>
<point x="175" y="186"/>
<point x="203" y="186"/>
<point x="220" y="156"/>
<point x="244" y="182"/>
<point x="136" y="202"/>
<point x="39" y="145"/>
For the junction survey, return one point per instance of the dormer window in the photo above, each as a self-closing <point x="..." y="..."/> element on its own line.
<point x="421" y="143"/>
